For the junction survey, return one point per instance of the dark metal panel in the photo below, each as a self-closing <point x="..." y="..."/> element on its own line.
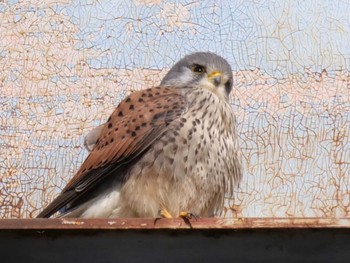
<point x="174" y="240"/>
<point x="175" y="245"/>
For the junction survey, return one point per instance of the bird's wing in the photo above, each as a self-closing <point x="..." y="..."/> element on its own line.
<point x="136" y="123"/>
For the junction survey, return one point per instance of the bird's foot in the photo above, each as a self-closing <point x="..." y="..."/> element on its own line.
<point x="187" y="215"/>
<point x="163" y="213"/>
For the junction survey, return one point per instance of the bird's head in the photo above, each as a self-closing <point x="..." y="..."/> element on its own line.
<point x="202" y="69"/>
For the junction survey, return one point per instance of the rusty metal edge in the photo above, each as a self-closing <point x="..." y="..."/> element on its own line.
<point x="176" y="223"/>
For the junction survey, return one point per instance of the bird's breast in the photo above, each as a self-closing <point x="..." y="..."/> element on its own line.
<point x="200" y="153"/>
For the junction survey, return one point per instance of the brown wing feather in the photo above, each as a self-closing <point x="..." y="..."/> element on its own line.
<point x="135" y="124"/>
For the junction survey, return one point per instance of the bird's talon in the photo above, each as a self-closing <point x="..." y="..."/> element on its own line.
<point x="163" y="213"/>
<point x="187" y="215"/>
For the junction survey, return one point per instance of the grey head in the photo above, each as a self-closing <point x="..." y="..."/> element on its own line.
<point x="201" y="69"/>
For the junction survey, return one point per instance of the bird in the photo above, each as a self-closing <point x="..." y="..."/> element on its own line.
<point x="166" y="151"/>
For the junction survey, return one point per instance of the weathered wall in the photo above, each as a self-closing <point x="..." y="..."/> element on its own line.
<point x="65" y="65"/>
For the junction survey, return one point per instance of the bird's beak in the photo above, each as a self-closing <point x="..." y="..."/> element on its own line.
<point x="215" y="78"/>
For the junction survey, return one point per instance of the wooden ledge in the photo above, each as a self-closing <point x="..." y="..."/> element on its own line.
<point x="176" y="223"/>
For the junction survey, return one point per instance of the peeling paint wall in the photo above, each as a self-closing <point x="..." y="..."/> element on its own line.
<point x="65" y="65"/>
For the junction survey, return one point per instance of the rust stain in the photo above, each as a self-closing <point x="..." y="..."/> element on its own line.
<point x="72" y="222"/>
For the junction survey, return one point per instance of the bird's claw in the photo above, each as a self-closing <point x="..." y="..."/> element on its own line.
<point x="187" y="215"/>
<point x="163" y="213"/>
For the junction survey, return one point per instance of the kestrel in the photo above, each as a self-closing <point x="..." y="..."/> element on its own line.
<point x="164" y="150"/>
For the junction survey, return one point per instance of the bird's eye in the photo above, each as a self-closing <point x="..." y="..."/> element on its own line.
<point x="198" y="69"/>
<point x="228" y="87"/>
